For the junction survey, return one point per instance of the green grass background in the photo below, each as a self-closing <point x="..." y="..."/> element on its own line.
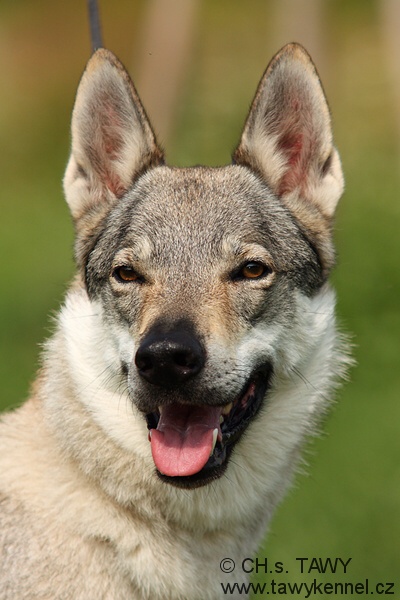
<point x="348" y="504"/>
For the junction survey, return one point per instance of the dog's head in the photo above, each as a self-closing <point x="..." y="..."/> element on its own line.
<point x="204" y="277"/>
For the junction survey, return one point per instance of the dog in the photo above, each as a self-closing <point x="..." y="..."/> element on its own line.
<point x="194" y="353"/>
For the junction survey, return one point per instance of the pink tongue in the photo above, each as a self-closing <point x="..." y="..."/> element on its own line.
<point x="182" y="443"/>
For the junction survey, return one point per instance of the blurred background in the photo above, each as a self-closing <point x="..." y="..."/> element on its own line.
<point x="196" y="64"/>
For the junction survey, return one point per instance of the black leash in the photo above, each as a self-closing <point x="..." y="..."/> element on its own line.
<point x="95" y="28"/>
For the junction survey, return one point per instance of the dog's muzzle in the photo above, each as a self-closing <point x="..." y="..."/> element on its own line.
<point x="191" y="443"/>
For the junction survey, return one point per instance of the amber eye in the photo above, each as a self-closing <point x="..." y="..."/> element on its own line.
<point x="253" y="270"/>
<point x="126" y="274"/>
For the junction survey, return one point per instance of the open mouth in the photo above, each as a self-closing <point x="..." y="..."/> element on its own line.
<point x="191" y="444"/>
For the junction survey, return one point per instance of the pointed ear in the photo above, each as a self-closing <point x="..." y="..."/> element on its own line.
<point x="112" y="140"/>
<point x="287" y="137"/>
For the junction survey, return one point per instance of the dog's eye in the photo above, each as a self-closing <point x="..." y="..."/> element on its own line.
<point x="253" y="270"/>
<point x="126" y="274"/>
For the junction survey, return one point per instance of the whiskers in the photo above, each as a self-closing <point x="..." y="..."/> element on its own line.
<point x="110" y="382"/>
<point x="309" y="384"/>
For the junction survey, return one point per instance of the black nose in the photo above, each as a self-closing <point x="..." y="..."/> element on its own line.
<point x="169" y="359"/>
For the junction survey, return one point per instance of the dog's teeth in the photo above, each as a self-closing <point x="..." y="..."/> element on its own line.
<point x="227" y="409"/>
<point x="221" y="419"/>
<point x="149" y="436"/>
<point x="215" y="435"/>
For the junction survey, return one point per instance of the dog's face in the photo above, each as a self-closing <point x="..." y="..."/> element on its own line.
<point x="204" y="277"/>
